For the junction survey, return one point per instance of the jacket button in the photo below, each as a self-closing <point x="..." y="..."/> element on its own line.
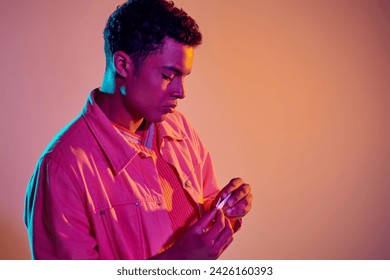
<point x="142" y="155"/>
<point x="136" y="203"/>
<point x="188" y="183"/>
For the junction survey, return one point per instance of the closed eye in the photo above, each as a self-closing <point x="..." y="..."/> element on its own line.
<point x="167" y="77"/>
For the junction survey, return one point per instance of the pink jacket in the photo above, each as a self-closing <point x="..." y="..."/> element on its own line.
<point x="93" y="196"/>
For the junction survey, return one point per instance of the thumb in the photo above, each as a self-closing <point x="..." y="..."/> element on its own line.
<point x="205" y="221"/>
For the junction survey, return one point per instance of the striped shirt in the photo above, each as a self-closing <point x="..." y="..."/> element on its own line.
<point x="181" y="210"/>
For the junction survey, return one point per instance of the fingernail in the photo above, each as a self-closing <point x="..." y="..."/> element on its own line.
<point x="229" y="211"/>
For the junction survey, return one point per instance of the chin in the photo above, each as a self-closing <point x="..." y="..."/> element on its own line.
<point x="157" y="119"/>
<point x="163" y="118"/>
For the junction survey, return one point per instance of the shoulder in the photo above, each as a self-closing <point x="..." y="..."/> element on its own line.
<point x="73" y="135"/>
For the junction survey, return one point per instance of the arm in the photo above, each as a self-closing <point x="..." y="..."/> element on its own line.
<point x="56" y="217"/>
<point x="212" y="191"/>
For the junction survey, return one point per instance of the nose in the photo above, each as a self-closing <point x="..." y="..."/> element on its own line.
<point x="179" y="89"/>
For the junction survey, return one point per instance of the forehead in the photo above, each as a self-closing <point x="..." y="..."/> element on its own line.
<point x="172" y="55"/>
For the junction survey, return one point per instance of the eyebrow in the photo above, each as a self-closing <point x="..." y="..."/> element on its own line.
<point x="175" y="69"/>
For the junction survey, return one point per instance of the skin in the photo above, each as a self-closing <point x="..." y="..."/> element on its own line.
<point x="129" y="97"/>
<point x="151" y="93"/>
<point x="205" y="240"/>
<point x="240" y="202"/>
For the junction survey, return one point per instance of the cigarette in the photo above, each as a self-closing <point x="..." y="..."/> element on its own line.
<point x="222" y="203"/>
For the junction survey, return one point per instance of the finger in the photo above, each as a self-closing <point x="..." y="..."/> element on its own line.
<point x="231" y="186"/>
<point x="203" y="223"/>
<point x="216" y="200"/>
<point x="238" y="194"/>
<point x="241" y="208"/>
<point x="227" y="244"/>
<point x="225" y="238"/>
<point x="217" y="226"/>
<point x="223" y="202"/>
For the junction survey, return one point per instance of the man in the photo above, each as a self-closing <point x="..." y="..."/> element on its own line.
<point x="130" y="178"/>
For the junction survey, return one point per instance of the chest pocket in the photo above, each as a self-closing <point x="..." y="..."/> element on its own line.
<point x="128" y="210"/>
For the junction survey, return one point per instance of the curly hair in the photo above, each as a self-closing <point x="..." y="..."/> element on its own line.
<point x="139" y="27"/>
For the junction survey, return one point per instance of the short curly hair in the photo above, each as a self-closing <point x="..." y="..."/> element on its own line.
<point x="139" y="27"/>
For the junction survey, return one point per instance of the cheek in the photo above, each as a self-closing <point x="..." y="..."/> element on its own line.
<point x="159" y="88"/>
<point x="152" y="92"/>
<point x="158" y="94"/>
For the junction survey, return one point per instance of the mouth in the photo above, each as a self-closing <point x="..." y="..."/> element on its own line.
<point x="170" y="108"/>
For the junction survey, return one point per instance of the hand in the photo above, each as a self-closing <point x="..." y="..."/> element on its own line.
<point x="205" y="240"/>
<point x="240" y="201"/>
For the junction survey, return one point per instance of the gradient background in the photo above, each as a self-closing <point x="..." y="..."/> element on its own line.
<point x="291" y="95"/>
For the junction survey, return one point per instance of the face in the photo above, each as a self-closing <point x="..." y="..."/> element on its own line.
<point x="154" y="91"/>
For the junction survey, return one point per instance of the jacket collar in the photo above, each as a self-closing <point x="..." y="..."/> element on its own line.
<point x="117" y="150"/>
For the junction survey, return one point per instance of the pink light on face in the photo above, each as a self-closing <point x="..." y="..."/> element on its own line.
<point x="292" y="96"/>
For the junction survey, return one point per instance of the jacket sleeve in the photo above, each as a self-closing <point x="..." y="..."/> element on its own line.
<point x="211" y="188"/>
<point x="56" y="217"/>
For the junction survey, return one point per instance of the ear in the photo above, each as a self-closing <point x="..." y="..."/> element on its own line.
<point x="123" y="64"/>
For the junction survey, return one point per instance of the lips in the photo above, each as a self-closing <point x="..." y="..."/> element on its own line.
<point x="170" y="108"/>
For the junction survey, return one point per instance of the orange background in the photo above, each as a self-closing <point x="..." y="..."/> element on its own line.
<point x="293" y="96"/>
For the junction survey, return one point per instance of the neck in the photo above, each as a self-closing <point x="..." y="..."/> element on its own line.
<point x="114" y="105"/>
<point x="108" y="84"/>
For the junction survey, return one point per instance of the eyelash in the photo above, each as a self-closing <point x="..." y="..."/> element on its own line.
<point x="167" y="78"/>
